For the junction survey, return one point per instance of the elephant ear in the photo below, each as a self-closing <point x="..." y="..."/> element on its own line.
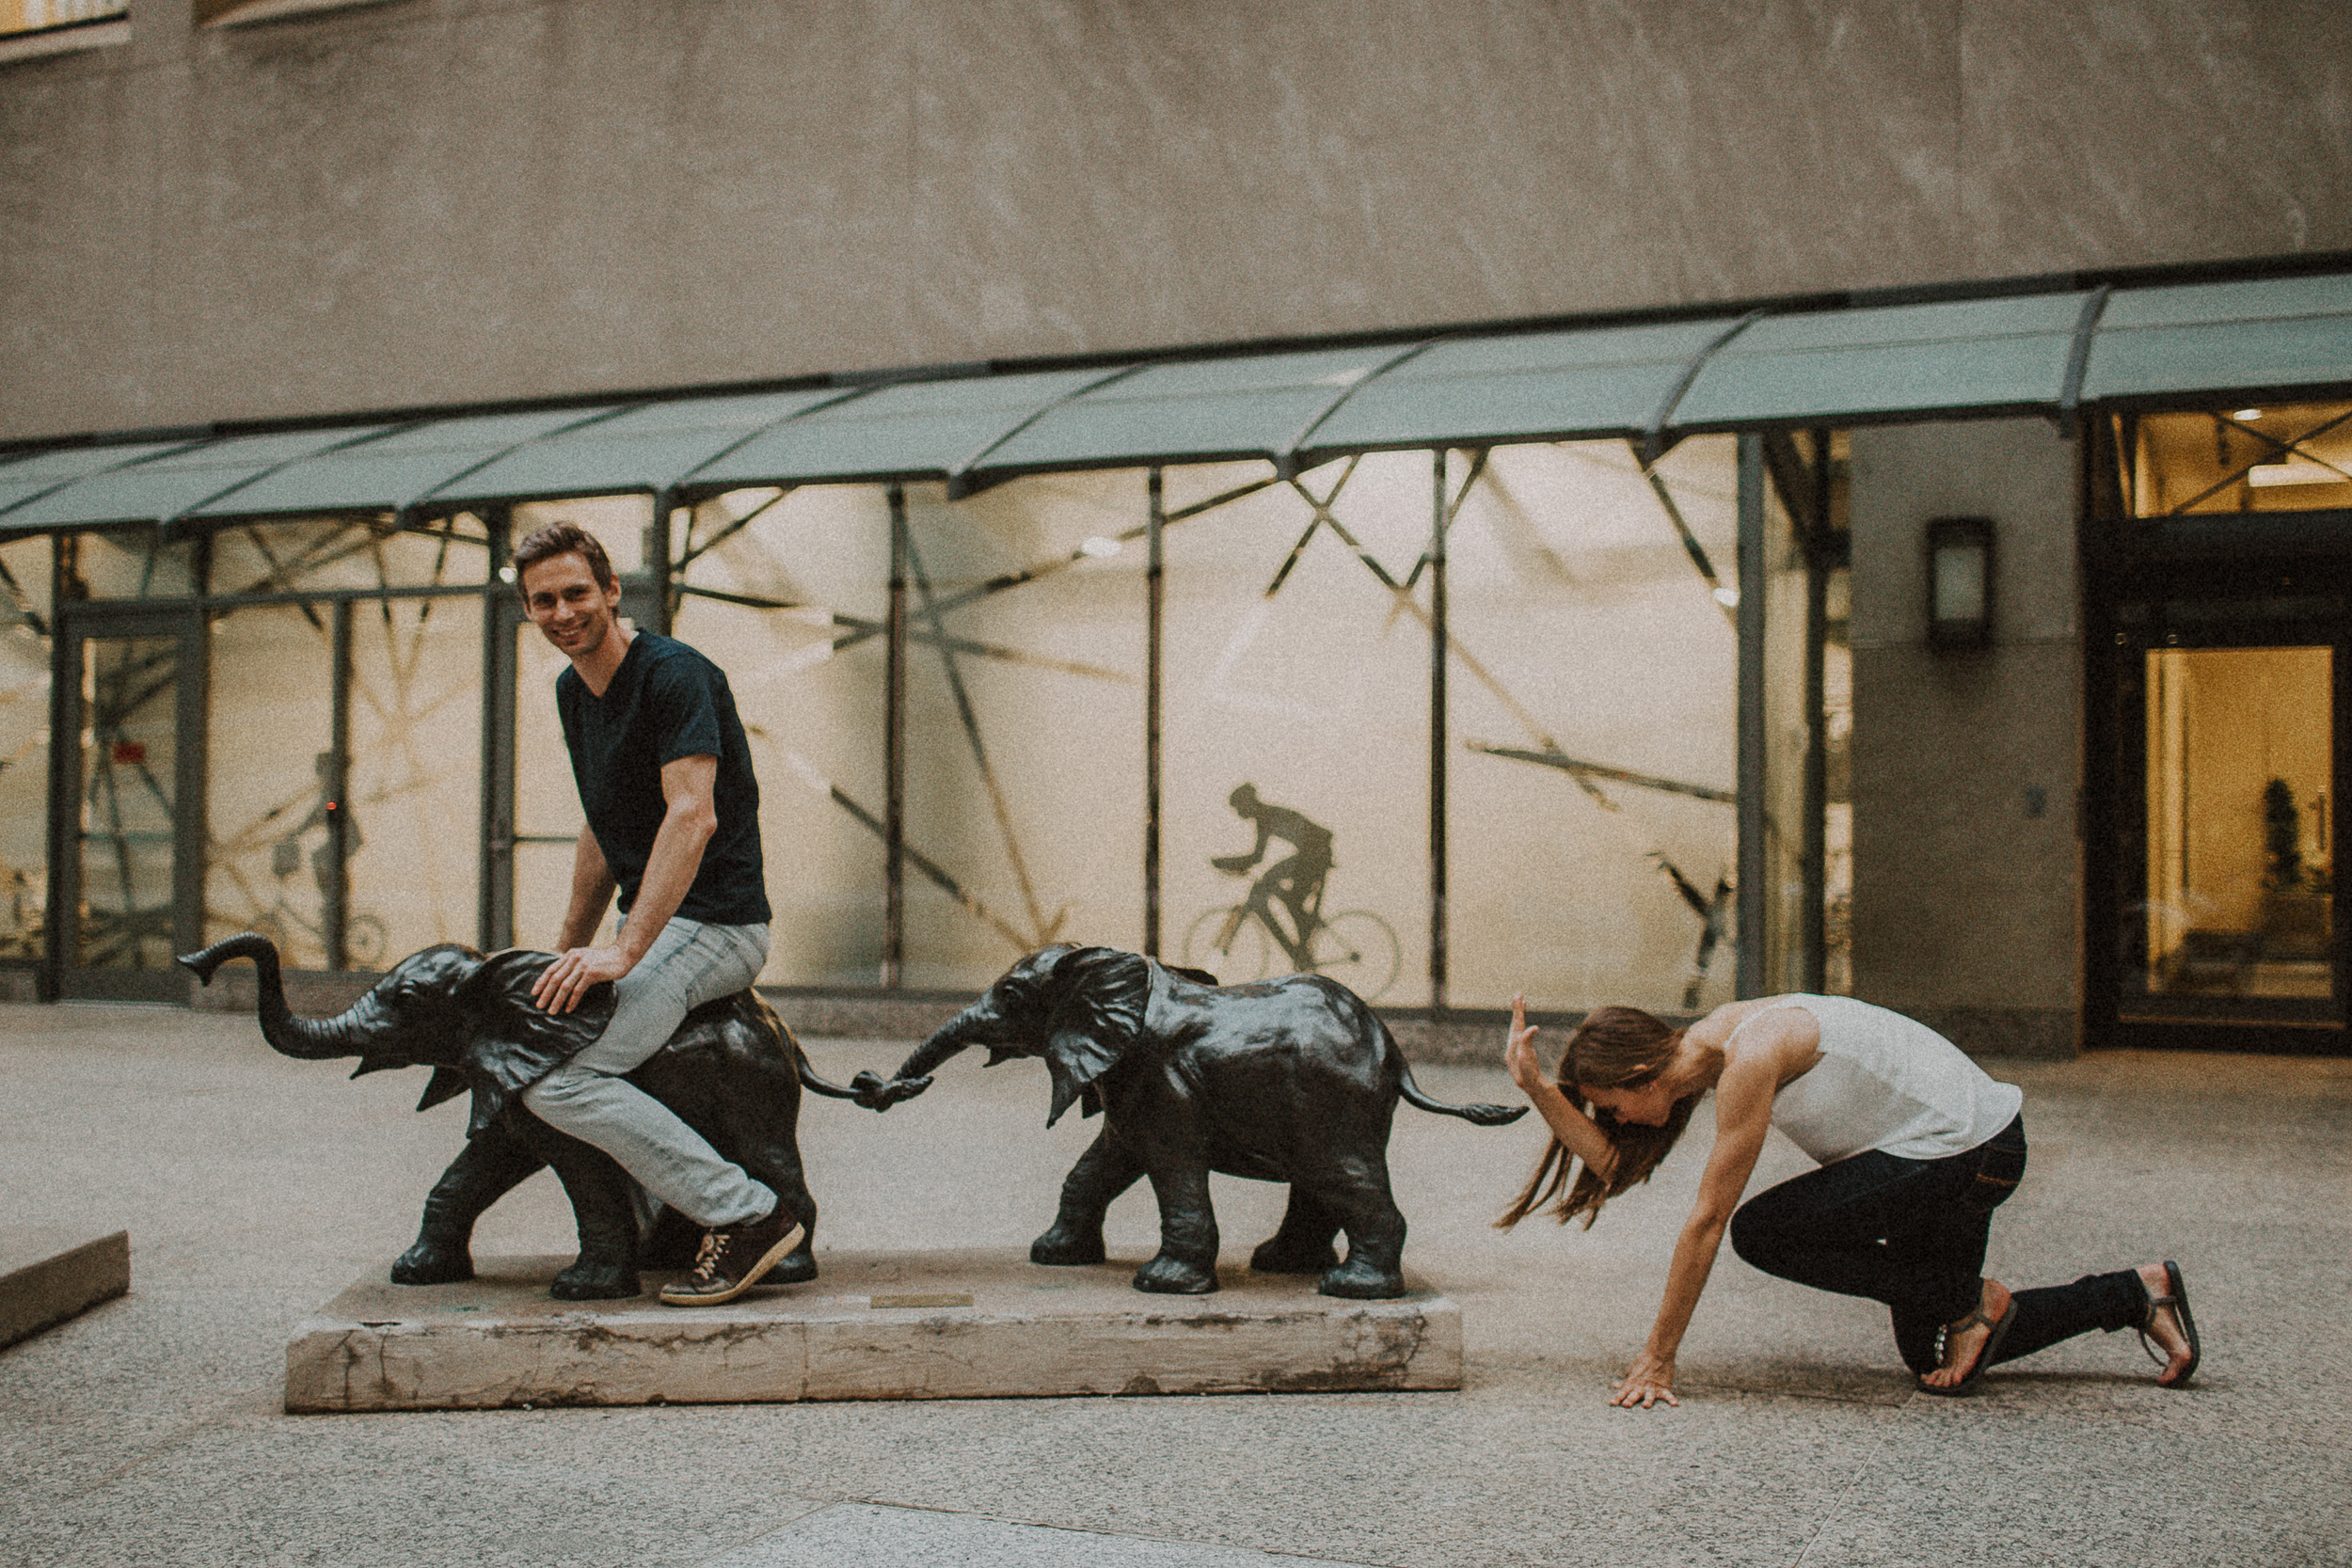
<point x="1099" y="998"/>
<point x="514" y="1042"/>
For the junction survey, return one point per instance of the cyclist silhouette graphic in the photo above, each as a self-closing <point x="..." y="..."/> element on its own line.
<point x="1297" y="882"/>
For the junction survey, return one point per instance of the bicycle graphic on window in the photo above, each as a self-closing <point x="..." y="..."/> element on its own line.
<point x="1283" y="913"/>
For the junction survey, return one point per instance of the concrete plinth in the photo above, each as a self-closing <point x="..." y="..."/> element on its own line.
<point x="49" y="1276"/>
<point x="964" y="1325"/>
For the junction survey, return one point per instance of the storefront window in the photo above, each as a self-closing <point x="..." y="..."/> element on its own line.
<point x="1295" y="828"/>
<point x="789" y="593"/>
<point x="24" y="677"/>
<point x="1593" y="840"/>
<point x="2275" y="457"/>
<point x="1025" y="723"/>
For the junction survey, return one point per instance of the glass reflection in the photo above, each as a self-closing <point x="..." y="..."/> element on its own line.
<point x="2239" y="859"/>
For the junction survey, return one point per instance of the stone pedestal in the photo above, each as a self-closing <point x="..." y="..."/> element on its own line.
<point x="963" y="1324"/>
<point x="48" y="1275"/>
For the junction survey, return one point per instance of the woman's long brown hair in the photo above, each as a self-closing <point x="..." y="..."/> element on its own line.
<point x="1615" y="1048"/>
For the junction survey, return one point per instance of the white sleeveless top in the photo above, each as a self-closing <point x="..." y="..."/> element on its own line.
<point x="1889" y="1083"/>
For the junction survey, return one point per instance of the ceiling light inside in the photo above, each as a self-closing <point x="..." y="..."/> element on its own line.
<point x="2294" y="471"/>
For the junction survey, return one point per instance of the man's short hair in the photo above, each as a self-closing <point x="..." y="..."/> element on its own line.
<point x="562" y="539"/>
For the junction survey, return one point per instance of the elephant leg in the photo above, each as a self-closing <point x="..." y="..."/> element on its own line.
<point x="1375" y="1234"/>
<point x="485" y="1170"/>
<point x="1303" y="1243"/>
<point x="1186" y="1264"/>
<point x="1105" y="1170"/>
<point x="606" y="1269"/>
<point x="670" y="1242"/>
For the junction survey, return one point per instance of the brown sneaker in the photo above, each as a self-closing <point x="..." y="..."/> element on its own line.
<point x="733" y="1257"/>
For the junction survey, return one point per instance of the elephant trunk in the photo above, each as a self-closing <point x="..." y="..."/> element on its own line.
<point x="965" y="1028"/>
<point x="311" y="1039"/>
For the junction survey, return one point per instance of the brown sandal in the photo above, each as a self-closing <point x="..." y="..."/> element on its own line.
<point x="1992" y="1345"/>
<point x="2177" y="1299"/>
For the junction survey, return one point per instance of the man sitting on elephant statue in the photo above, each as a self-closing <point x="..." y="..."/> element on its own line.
<point x="1293" y="1080"/>
<point x="731" y="1071"/>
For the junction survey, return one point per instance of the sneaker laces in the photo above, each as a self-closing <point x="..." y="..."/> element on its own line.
<point x="707" y="1257"/>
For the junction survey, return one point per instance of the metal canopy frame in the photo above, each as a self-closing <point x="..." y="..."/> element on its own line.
<point x="2046" y="354"/>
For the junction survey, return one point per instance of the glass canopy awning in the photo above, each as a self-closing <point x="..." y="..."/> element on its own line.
<point x="2019" y="355"/>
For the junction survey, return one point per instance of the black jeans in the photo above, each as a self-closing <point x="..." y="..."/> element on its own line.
<point x="1911" y="1233"/>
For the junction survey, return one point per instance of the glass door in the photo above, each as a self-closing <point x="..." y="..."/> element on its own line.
<point x="2229" y="790"/>
<point x="129" y="898"/>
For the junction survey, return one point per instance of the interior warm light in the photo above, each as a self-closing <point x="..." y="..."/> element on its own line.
<point x="2294" y="471"/>
<point x="2247" y="414"/>
<point x="1728" y="597"/>
<point x="1101" y="549"/>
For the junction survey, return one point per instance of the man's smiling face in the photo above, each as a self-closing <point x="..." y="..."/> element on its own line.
<point x="568" y="606"/>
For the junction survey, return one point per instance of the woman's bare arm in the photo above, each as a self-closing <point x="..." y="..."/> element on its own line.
<point x="1578" y="1133"/>
<point x="1771" y="1050"/>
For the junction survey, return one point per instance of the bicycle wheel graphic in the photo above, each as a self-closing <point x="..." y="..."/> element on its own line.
<point x="1356" y="948"/>
<point x="1247" y="955"/>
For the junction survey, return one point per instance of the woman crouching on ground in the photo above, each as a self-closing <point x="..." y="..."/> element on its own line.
<point x="1916" y="1146"/>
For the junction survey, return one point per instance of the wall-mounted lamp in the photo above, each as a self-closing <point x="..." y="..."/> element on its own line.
<point x="1959" y="582"/>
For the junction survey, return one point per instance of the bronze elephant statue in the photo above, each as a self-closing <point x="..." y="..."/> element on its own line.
<point x="1293" y="1080"/>
<point x="733" y="1073"/>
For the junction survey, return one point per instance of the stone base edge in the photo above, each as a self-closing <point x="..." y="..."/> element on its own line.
<point x="49" y="1289"/>
<point x="497" y="1356"/>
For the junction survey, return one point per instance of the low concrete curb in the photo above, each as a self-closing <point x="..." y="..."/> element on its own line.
<point x="48" y="1275"/>
<point x="961" y="1324"/>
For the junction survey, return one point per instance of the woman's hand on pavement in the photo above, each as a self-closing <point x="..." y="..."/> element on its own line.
<point x="1651" y="1379"/>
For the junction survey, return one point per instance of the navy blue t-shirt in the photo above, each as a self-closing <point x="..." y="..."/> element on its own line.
<point x="665" y="701"/>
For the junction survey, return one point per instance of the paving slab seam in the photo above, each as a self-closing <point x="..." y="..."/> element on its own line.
<point x="1829" y="1517"/>
<point x="1066" y="1529"/>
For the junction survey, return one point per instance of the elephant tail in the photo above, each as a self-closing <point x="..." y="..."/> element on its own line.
<point x="1481" y="1116"/>
<point x="815" y="1085"/>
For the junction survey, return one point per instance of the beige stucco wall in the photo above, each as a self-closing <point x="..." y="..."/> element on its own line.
<point x="424" y="202"/>
<point x="1967" y="901"/>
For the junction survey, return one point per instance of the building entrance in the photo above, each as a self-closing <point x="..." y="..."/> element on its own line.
<point x="132" y="828"/>
<point x="2228" y="792"/>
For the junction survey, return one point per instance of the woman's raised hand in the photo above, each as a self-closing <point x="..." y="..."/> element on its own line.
<point x="1518" y="1048"/>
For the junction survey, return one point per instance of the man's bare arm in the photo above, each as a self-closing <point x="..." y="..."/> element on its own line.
<point x="689" y="792"/>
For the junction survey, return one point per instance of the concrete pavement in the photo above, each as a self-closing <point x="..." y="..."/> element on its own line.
<point x="149" y="1430"/>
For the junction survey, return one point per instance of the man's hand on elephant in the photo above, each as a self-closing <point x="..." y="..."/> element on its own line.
<point x="563" y="983"/>
<point x="877" y="1093"/>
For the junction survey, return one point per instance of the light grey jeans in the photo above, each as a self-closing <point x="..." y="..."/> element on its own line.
<point x="689" y="963"/>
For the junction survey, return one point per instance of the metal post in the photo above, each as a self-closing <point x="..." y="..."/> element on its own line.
<point x="657" y="563"/>
<point x="502" y="616"/>
<point x="1154" y="589"/>
<point x="1819" y="563"/>
<point x="65" y="776"/>
<point x="335" y="887"/>
<point x="1754" y="884"/>
<point x="1438" y="660"/>
<point x="894" y="752"/>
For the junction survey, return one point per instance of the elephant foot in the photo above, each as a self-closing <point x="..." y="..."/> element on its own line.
<point x="1173" y="1277"/>
<point x="1065" y="1247"/>
<point x="427" y="1265"/>
<point x="1361" y="1282"/>
<point x="1279" y="1254"/>
<point x="586" y="1282"/>
<point x="798" y="1267"/>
